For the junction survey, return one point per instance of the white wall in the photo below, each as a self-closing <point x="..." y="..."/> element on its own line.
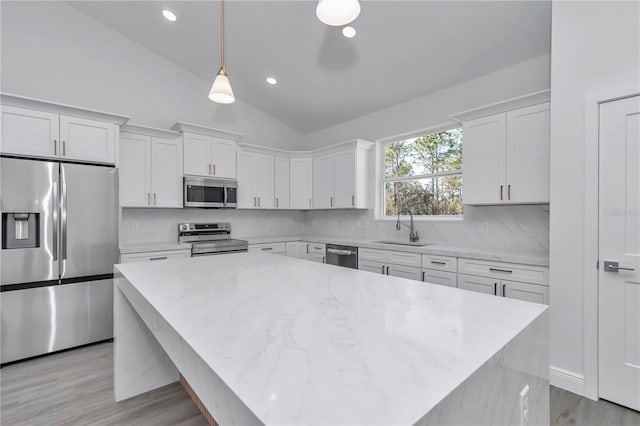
<point x="53" y="52"/>
<point x="593" y="45"/>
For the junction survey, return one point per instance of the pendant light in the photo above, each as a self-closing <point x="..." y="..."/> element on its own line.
<point x="338" y="12"/>
<point x="221" y="89"/>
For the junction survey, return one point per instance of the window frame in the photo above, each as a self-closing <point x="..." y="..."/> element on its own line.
<point x="381" y="180"/>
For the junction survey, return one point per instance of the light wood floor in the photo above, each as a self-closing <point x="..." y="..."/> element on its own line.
<point x="76" y="388"/>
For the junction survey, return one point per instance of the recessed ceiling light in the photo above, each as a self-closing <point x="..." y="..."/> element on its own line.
<point x="272" y="81"/>
<point x="169" y="15"/>
<point x="349" y="32"/>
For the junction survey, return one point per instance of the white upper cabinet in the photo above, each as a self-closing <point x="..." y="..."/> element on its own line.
<point x="506" y="157"/>
<point x="151" y="171"/>
<point x="28" y="132"/>
<point x="483" y="162"/>
<point x="301" y="187"/>
<point x="87" y="140"/>
<point x="255" y="180"/>
<point x="281" y="182"/>
<point x="323" y="175"/>
<point x="528" y="154"/>
<point x="223" y="157"/>
<point x="340" y="178"/>
<point x="44" y="134"/>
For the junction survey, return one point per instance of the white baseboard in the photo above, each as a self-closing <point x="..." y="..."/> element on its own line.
<point x="567" y="380"/>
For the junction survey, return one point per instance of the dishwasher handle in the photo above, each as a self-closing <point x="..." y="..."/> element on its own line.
<point x="340" y="252"/>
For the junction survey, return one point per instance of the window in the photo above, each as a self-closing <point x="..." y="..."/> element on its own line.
<point x="423" y="175"/>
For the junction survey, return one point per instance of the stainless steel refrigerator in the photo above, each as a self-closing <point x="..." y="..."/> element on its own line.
<point x="59" y="245"/>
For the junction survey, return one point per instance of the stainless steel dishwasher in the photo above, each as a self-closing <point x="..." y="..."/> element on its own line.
<point x="346" y="256"/>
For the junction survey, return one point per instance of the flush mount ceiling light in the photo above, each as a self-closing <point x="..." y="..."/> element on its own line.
<point x="272" y="81"/>
<point x="338" y="12"/>
<point x="169" y="15"/>
<point x="349" y="32"/>
<point x="221" y="89"/>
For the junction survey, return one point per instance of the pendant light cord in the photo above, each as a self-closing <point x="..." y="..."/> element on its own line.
<point x="222" y="33"/>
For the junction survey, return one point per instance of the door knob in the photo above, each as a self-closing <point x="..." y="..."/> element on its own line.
<point x="611" y="266"/>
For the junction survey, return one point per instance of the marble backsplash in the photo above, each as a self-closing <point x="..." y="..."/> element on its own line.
<point x="517" y="227"/>
<point x="507" y="227"/>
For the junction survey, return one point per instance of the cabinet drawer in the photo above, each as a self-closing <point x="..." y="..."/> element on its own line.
<point x="371" y="266"/>
<point x="317" y="257"/>
<point x="408" y="272"/>
<point x="154" y="256"/>
<point x="315" y="248"/>
<point x="439" y="263"/>
<point x="504" y="271"/>
<point x="391" y="257"/>
<point x="274" y="248"/>
<point x="479" y="284"/>
<point x="432" y="276"/>
<point x="528" y="292"/>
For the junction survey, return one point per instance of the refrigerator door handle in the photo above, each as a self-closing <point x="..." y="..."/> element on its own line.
<point x="63" y="216"/>
<point x="55" y="221"/>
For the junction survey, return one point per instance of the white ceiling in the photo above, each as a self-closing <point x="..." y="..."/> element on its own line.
<point x="402" y="50"/>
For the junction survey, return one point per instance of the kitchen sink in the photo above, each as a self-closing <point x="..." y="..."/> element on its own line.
<point x="403" y="243"/>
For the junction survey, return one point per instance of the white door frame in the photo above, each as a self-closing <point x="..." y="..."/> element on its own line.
<point x="591" y="255"/>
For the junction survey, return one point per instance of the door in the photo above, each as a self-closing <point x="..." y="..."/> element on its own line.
<point x="323" y="182"/>
<point x="281" y="181"/>
<point x="247" y="164"/>
<point x="87" y="140"/>
<point x="89" y="222"/>
<point x="345" y="178"/>
<point x="30" y="187"/>
<point x="479" y="284"/>
<point x="484" y="160"/>
<point x="223" y="158"/>
<point x="408" y="272"/>
<point x="166" y="172"/>
<point x="265" y="181"/>
<point x="134" y="173"/>
<point x="528" y="155"/>
<point x="301" y="186"/>
<point x="197" y="155"/>
<point x="619" y="241"/>
<point x="28" y="132"/>
<point x="522" y="291"/>
<point x="432" y="276"/>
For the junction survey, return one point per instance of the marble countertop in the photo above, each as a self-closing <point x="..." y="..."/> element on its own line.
<point x="537" y="258"/>
<point x="306" y="343"/>
<point x="156" y="246"/>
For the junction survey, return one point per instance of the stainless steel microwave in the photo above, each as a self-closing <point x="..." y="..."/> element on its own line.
<point x="210" y="193"/>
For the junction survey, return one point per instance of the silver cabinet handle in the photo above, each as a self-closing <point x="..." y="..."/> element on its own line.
<point x="255" y="202"/>
<point x="155" y="199"/>
<point x="382" y="270"/>
<point x="437" y="262"/>
<point x="317" y="248"/>
<point x="267" y="248"/>
<point x="277" y="204"/>
<point x="209" y="168"/>
<point x="331" y="201"/>
<point x="504" y="290"/>
<point x="613" y="266"/>
<point x="307" y="248"/>
<point x="387" y="270"/>
<point x="501" y="186"/>
<point x="148" y="198"/>
<point x="495" y="289"/>
<point x="505" y="271"/>
<point x="55" y="147"/>
<point x="422" y="276"/>
<point x="509" y="192"/>
<point x="324" y="259"/>
<point x="214" y="169"/>
<point x="353" y="200"/>
<point x="55" y="220"/>
<point x="158" y="258"/>
<point x="309" y="202"/>
<point x="64" y="149"/>
<point x="258" y="201"/>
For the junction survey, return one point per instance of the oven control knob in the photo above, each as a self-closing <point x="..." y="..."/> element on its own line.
<point x="184" y="227"/>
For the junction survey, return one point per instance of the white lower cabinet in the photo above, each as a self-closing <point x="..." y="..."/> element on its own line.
<point x="271" y="248"/>
<point x="433" y="276"/>
<point x="504" y="288"/>
<point x="154" y="256"/>
<point x="479" y="284"/>
<point x="293" y="248"/>
<point x="372" y="266"/>
<point x="316" y="257"/>
<point x="408" y="272"/>
<point x="388" y="262"/>
<point x="316" y="252"/>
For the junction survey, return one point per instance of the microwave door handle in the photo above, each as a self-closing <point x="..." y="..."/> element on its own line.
<point x="224" y="195"/>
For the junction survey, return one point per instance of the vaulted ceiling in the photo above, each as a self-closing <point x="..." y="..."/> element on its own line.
<point x="402" y="50"/>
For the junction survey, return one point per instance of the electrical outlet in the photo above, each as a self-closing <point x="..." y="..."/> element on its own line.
<point x="524" y="406"/>
<point x="134" y="225"/>
<point x="484" y="226"/>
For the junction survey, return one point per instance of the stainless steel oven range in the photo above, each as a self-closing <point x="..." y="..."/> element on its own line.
<point x="210" y="238"/>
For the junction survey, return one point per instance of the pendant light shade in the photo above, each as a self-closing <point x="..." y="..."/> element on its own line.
<point x="221" y="91"/>
<point x="338" y="12"/>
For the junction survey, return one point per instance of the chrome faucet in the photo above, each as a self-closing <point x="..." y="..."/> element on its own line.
<point x="413" y="233"/>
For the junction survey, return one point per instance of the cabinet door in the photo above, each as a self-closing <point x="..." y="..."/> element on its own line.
<point x="371" y="266"/>
<point x="408" y="272"/>
<point x="154" y="256"/>
<point x="87" y="140"/>
<point x="265" y="181"/>
<point x="292" y="248"/>
<point x="450" y="279"/>
<point x="528" y="155"/>
<point x="301" y="183"/>
<point x="479" y="284"/>
<point x="197" y="155"/>
<point x="522" y="291"/>
<point x="484" y="160"/>
<point x="134" y="174"/>
<point x="316" y="257"/>
<point x="281" y="180"/>
<point x="223" y="158"/>
<point x="247" y="163"/>
<point x="323" y="178"/>
<point x="166" y="172"/>
<point x="28" y="132"/>
<point x="345" y="178"/>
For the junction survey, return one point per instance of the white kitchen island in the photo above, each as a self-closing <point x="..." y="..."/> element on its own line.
<point x="265" y="339"/>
